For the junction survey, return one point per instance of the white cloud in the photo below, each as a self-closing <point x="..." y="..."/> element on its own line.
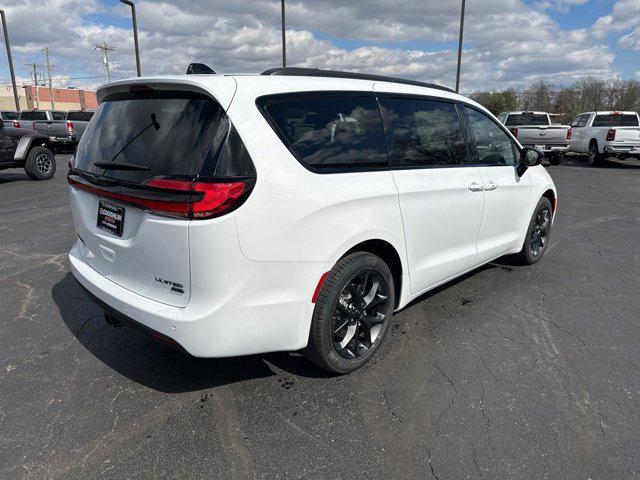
<point x="507" y="43"/>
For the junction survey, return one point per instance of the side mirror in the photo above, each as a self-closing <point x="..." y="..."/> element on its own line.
<point x="529" y="157"/>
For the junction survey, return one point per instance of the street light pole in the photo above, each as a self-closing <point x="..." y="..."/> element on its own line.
<point x="13" y="75"/>
<point x="284" y="42"/>
<point x="135" y="33"/>
<point x="460" y="47"/>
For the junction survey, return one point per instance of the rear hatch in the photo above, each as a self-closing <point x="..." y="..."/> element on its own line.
<point x="551" y="135"/>
<point x="627" y="135"/>
<point x="137" y="183"/>
<point x="52" y="128"/>
<point x="624" y="127"/>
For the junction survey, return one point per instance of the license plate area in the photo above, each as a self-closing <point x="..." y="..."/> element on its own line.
<point x="540" y="147"/>
<point x="110" y="218"/>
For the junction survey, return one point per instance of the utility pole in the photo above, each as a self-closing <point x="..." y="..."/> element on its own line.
<point x="105" y="57"/>
<point x="284" y="42"/>
<point x="8" y="46"/>
<point x="49" y="70"/>
<point x="34" y="75"/>
<point x="460" y="46"/>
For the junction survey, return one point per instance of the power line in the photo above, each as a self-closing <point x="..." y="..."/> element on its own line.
<point x="34" y="75"/>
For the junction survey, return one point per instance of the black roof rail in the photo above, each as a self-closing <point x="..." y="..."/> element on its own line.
<point x="316" y="72"/>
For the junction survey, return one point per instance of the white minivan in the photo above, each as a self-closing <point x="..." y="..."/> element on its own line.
<point x="293" y="210"/>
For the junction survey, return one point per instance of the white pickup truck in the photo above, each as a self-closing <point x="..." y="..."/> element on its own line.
<point x="535" y="130"/>
<point x="606" y="134"/>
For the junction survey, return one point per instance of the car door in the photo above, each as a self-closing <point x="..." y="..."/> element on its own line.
<point x="507" y="196"/>
<point x="440" y="193"/>
<point x="6" y="145"/>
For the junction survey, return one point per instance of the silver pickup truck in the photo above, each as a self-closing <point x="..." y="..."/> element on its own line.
<point x="535" y="130"/>
<point x="62" y="128"/>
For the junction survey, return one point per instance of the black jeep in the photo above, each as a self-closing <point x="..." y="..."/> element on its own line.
<point x="24" y="148"/>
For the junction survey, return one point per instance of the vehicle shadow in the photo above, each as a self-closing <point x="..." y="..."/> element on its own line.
<point x="137" y="356"/>
<point x="612" y="163"/>
<point x="14" y="177"/>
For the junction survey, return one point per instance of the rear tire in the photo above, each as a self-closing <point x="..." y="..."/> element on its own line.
<point x="352" y="314"/>
<point x="40" y="163"/>
<point x="538" y="234"/>
<point x="556" y="159"/>
<point x="594" y="158"/>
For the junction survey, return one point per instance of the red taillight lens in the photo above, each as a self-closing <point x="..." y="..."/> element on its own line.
<point x="611" y="135"/>
<point x="201" y="199"/>
<point x="514" y="132"/>
<point x="71" y="128"/>
<point x="569" y="134"/>
<point x="16" y="124"/>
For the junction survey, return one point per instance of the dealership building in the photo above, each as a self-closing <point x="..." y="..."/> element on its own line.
<point x="63" y="98"/>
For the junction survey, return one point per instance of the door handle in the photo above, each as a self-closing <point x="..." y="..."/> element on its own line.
<point x="490" y="186"/>
<point x="475" y="187"/>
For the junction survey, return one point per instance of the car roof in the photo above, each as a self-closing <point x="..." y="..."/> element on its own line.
<point x="520" y="112"/>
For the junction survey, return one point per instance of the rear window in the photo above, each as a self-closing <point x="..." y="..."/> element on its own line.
<point x="80" y="116"/>
<point x="33" y="115"/>
<point x="10" y="115"/>
<point x="620" y="120"/>
<point x="159" y="133"/>
<point x="517" y="119"/>
<point x="330" y="133"/>
<point x="58" y="115"/>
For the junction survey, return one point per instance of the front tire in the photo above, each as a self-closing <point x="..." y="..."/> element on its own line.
<point x="352" y="314"/>
<point x="40" y="163"/>
<point x="538" y="233"/>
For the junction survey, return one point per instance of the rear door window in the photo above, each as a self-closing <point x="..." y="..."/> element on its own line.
<point x="615" y="120"/>
<point x="33" y="115"/>
<point x="329" y="133"/>
<point x="584" y="119"/>
<point x="423" y="133"/>
<point x="153" y="134"/>
<point x="80" y="116"/>
<point x="517" y="119"/>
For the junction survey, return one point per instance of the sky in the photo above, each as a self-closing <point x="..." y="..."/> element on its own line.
<point x="507" y="43"/>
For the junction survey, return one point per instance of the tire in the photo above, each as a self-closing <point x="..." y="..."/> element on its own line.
<point x="344" y="334"/>
<point x="40" y="163"/>
<point x="594" y="158"/>
<point x="556" y="159"/>
<point x="536" y="241"/>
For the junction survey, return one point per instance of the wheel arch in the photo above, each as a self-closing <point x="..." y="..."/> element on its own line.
<point x="387" y="252"/>
<point x="551" y="195"/>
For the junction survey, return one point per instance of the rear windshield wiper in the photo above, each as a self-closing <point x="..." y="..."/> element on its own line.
<point x="120" y="166"/>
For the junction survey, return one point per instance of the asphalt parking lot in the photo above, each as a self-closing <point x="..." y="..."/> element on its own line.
<point x="509" y="372"/>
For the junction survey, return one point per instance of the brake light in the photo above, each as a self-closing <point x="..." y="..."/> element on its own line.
<point x="611" y="135"/>
<point x="202" y="199"/>
<point x="514" y="132"/>
<point x="569" y="134"/>
<point x="71" y="128"/>
<point x="16" y="124"/>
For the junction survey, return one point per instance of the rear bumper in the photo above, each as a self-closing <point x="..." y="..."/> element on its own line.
<point x="550" y="149"/>
<point x="266" y="307"/>
<point x="622" y="149"/>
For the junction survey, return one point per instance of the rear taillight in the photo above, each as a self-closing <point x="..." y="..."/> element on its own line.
<point x="197" y="199"/>
<point x="514" y="132"/>
<point x="16" y="124"/>
<point x="71" y="128"/>
<point x="611" y="135"/>
<point x="569" y="134"/>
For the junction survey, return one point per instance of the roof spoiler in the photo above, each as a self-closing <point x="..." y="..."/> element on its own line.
<point x="199" y="69"/>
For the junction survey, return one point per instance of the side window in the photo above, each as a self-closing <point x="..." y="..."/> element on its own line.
<point x="423" y="132"/>
<point x="493" y="145"/>
<point x="574" y="123"/>
<point x="583" y="120"/>
<point x="331" y="133"/>
<point x="503" y="117"/>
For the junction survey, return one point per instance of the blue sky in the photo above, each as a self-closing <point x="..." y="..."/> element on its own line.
<point x="508" y="43"/>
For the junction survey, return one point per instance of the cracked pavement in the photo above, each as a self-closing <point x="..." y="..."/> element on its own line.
<point x="508" y="372"/>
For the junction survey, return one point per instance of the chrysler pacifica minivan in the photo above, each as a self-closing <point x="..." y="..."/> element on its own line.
<point x="293" y="210"/>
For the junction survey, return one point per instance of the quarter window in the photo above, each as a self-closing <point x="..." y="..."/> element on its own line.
<point x="583" y="120"/>
<point x="492" y="145"/>
<point x="423" y="132"/>
<point x="331" y="133"/>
